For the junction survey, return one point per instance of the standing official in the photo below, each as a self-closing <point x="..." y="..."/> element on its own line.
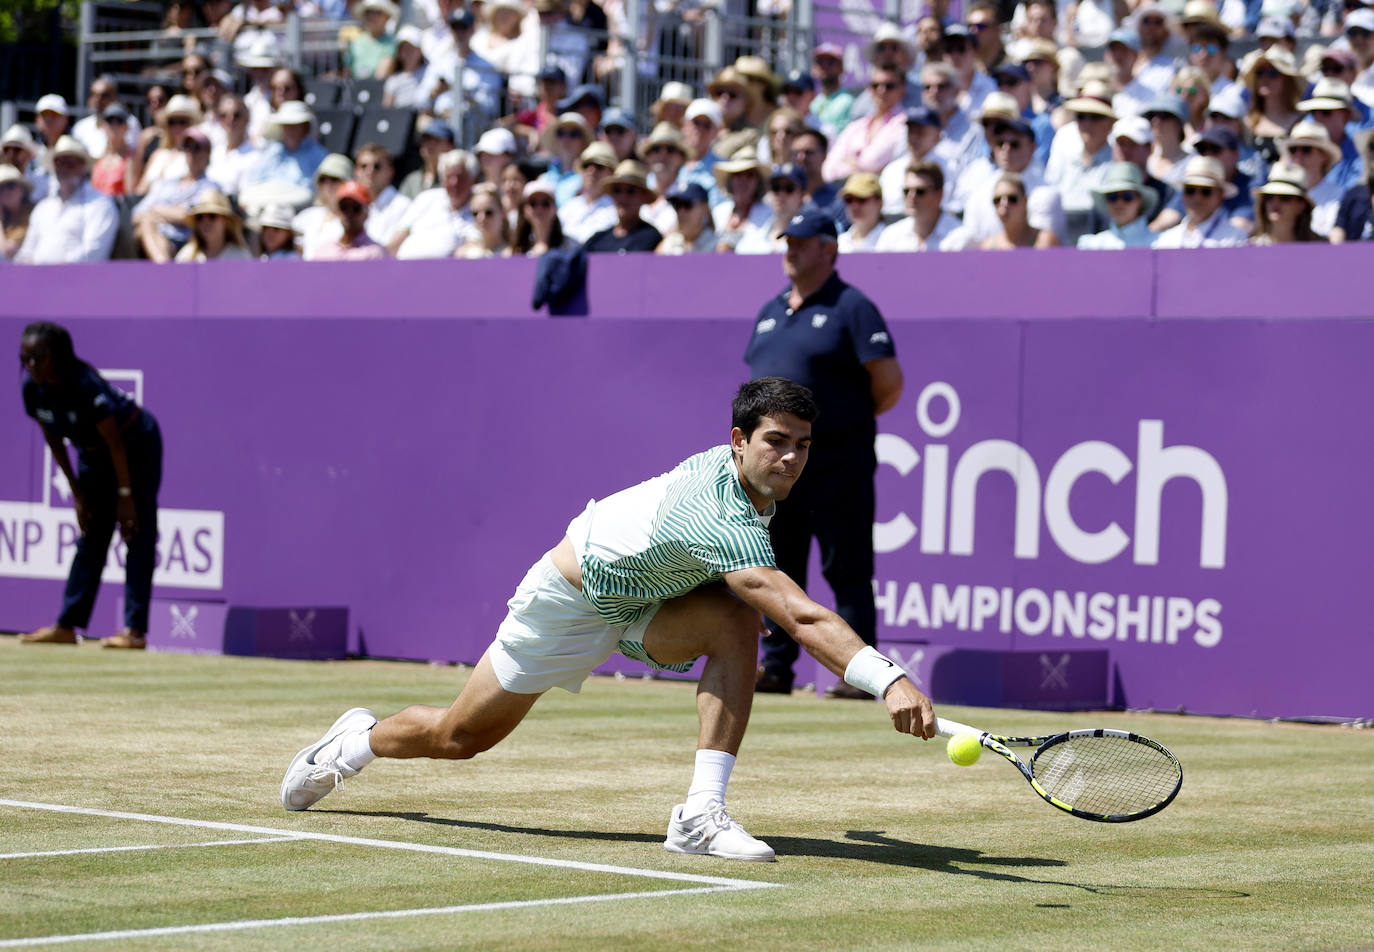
<point x="828" y="336"/>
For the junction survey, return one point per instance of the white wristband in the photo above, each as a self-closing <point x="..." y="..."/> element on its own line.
<point x="125" y="491"/>
<point x="869" y="671"/>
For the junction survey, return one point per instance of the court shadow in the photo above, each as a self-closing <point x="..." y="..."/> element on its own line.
<point x="859" y="845"/>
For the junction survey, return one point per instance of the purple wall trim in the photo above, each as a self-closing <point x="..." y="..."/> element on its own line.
<point x="1145" y="453"/>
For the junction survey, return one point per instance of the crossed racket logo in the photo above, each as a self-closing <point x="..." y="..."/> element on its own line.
<point x="184" y="626"/>
<point x="302" y="626"/>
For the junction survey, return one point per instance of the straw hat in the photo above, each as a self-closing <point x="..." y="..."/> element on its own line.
<point x="293" y="112"/>
<point x="1209" y="173"/>
<point x="756" y="68"/>
<point x="598" y="153"/>
<point x="1038" y="48"/>
<point x="1095" y="99"/>
<point x="887" y="33"/>
<point x="214" y="203"/>
<point x="19" y="135"/>
<point x="1310" y="132"/>
<point x="1276" y="56"/>
<point x="861" y="185"/>
<point x="629" y="172"/>
<point x="731" y="78"/>
<point x="574" y="120"/>
<point x="665" y="133"/>
<point x="1285" y="179"/>
<point x="9" y="173"/>
<point x="999" y="106"/>
<point x="277" y="216"/>
<point x="1125" y="177"/>
<point x="1328" y="93"/>
<point x="745" y="160"/>
<point x="182" y="105"/>
<point x="380" y="6"/>
<point x="672" y="92"/>
<point x="1198" y="12"/>
<point x="69" y="145"/>
<point x="335" y="166"/>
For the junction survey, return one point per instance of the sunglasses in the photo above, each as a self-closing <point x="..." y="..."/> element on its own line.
<point x="1207" y="148"/>
<point x="654" y="149"/>
<point x="858" y="199"/>
<point x="957" y="47"/>
<point x="1007" y="82"/>
<point x="1116" y="198"/>
<point x="370" y="166"/>
<point x="1333" y="69"/>
<point x="1082" y="117"/>
<point x="193" y="70"/>
<point x="1302" y="150"/>
<point x="1006" y="199"/>
<point x="1211" y="49"/>
<point x="569" y="134"/>
<point x="178" y="121"/>
<point x="1198" y="190"/>
<point x="944" y="84"/>
<point x="979" y="27"/>
<point x="1267" y="72"/>
<point x="484" y="212"/>
<point x="1012" y="143"/>
<point x="350" y="206"/>
<point x="1185" y="91"/>
<point x="540" y="203"/>
<point x="194" y="147"/>
<point x="919" y="190"/>
<point x="232" y="116"/>
<point x="883" y="86"/>
<point x="785" y="188"/>
<point x="623" y="190"/>
<point x="1358" y="33"/>
<point x="727" y="94"/>
<point x="805" y="153"/>
<point x="1325" y="113"/>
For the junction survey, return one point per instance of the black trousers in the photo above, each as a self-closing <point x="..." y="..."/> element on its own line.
<point x="833" y="503"/>
<point x="96" y="479"/>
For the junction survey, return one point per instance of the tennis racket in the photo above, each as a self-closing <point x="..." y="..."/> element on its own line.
<point x="1105" y="775"/>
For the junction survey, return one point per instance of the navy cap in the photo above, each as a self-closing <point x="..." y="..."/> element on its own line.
<point x="552" y="72"/>
<point x="923" y="116"/>
<point x="799" y="79"/>
<point x="116" y="111"/>
<point x="1013" y="71"/>
<point x="790" y="171"/>
<point x="439" y="129"/>
<point x="1019" y="126"/>
<point x="811" y="222"/>
<point x="461" y="17"/>
<point x="691" y="193"/>
<point x="579" y="93"/>
<point x="615" y="116"/>
<point x="958" y="30"/>
<point x="1222" y="137"/>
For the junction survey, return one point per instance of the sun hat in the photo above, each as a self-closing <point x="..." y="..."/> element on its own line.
<point x="9" y="173"/>
<point x="998" y="106"/>
<point x="356" y="191"/>
<point x="1328" y="93"/>
<point x="115" y="113"/>
<point x="566" y="120"/>
<point x="1285" y="179"/>
<point x="1126" y="37"/>
<point x="629" y="172"/>
<point x="20" y="135"/>
<point x="69" y="145"/>
<point x="1276" y="56"/>
<point x="586" y="91"/>
<point x="1038" y="48"/>
<point x="888" y="32"/>
<point x="1095" y="99"/>
<point x="1209" y="173"/>
<point x="1200" y="12"/>
<point x="598" y="153"/>
<point x="757" y="68"/>
<point x="335" y="166"/>
<point x="798" y="79"/>
<point x="212" y="203"/>
<point x="183" y="105"/>
<point x="277" y="216"/>
<point x="732" y="78"/>
<point x="539" y="186"/>
<point x="1125" y="177"/>
<point x="1221" y="137"/>
<point x="263" y="52"/>
<point x="1274" y="28"/>
<point x="379" y="6"/>
<point x="293" y="112"/>
<point x="1310" y="132"/>
<point x="861" y="185"/>
<point x="745" y="160"/>
<point x="832" y="50"/>
<point x="665" y="133"/>
<point x="438" y="129"/>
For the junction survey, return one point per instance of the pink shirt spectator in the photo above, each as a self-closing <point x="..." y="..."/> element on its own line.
<point x="867" y="145"/>
<point x="361" y="248"/>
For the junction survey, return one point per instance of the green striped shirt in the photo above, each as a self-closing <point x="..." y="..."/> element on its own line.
<point x="668" y="535"/>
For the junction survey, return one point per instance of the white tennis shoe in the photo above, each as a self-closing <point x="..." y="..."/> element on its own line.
<point x="317" y="771"/>
<point x="714" y="833"/>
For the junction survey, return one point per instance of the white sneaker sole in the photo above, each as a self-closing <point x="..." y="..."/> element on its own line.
<point x="742" y="857"/>
<point x="307" y="754"/>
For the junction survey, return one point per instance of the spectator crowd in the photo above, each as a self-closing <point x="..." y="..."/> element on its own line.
<point x="985" y="125"/>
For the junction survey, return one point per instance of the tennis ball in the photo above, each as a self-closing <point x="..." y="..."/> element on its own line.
<point x="964" y="749"/>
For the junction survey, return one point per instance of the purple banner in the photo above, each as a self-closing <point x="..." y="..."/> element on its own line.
<point x="1140" y="453"/>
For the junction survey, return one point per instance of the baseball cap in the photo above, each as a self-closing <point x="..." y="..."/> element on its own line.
<point x="615" y="116"/>
<point x="1274" y="28"/>
<point x="1220" y="137"/>
<point x="788" y="171"/>
<point x="833" y="50"/>
<point x="1344" y="58"/>
<point x="438" y="129"/>
<point x="1362" y="18"/>
<point x="51" y="103"/>
<point x="1125" y="37"/>
<point x="461" y="17"/>
<point x="115" y="112"/>
<point x="1134" y="128"/>
<point x="811" y="222"/>
<point x="1013" y="71"/>
<point x="704" y="107"/>
<point x="923" y="116"/>
<point x="1019" y="126"/>
<point x="689" y="194"/>
<point x="799" y="79"/>
<point x="553" y="73"/>
<point x="1228" y="103"/>
<point x="354" y="190"/>
<point x="499" y="141"/>
<point x="579" y="93"/>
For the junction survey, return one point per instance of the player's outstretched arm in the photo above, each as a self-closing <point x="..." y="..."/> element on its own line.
<point x="829" y="640"/>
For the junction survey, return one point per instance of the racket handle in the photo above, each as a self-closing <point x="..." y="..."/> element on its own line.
<point x="947" y="728"/>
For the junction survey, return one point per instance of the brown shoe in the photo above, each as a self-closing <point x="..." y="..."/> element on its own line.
<point x="768" y="682"/>
<point x="127" y="638"/>
<point x="847" y="692"/>
<point x="51" y="635"/>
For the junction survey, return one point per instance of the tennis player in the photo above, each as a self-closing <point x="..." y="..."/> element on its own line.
<point x="673" y="569"/>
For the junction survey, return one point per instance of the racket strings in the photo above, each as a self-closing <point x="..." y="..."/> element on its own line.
<point x="1107" y="775"/>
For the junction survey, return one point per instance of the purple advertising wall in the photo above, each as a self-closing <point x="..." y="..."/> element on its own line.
<point x="1159" y="455"/>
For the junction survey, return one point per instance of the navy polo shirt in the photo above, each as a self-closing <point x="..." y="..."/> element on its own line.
<point x="74" y="409"/>
<point x="824" y="345"/>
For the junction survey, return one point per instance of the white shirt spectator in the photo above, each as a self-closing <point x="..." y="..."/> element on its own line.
<point x="1157" y="74"/>
<point x="901" y="236"/>
<point x="81" y="228"/>
<point x="1326" y="198"/>
<point x="384" y="217"/>
<point x="759" y="215"/>
<point x="317" y="226"/>
<point x="869" y="242"/>
<point x="1043" y="209"/>
<point x="1133" y="99"/>
<point x="1215" y="232"/>
<point x="581" y="219"/>
<point x="87" y="131"/>
<point x="436" y="230"/>
<point x="893" y="180"/>
<point x="229" y="170"/>
<point x="660" y="214"/>
<point x="758" y="241"/>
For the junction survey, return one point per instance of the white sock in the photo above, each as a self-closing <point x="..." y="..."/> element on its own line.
<point x="356" y="749"/>
<point x="709" y="779"/>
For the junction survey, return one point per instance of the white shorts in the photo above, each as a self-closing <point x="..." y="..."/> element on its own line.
<point x="552" y="638"/>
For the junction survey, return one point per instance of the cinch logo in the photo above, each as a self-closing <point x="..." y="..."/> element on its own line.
<point x="948" y="501"/>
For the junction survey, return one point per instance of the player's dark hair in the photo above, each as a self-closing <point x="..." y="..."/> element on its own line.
<point x="771" y="396"/>
<point x="58" y="341"/>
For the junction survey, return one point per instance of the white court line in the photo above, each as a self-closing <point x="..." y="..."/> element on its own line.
<point x="356" y="916"/>
<point x="397" y="845"/>
<point x="711" y="883"/>
<point x="149" y="846"/>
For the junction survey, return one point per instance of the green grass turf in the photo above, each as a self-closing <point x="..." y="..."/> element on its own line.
<point x="882" y="843"/>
